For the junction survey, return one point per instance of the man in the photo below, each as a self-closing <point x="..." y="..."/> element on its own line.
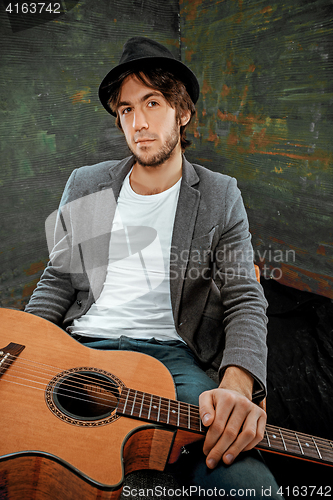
<point x="153" y="254"/>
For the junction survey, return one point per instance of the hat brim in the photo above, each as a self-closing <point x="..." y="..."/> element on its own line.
<point x="180" y="70"/>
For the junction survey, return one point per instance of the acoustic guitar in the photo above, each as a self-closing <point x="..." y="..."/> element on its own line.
<point x="75" y="420"/>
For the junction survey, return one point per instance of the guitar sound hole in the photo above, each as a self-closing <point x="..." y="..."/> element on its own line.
<point x="86" y="396"/>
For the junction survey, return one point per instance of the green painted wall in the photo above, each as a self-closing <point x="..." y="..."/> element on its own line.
<point x="264" y="116"/>
<point x="51" y="120"/>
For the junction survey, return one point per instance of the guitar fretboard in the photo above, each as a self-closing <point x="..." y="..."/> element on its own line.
<point x="297" y="444"/>
<point x="144" y="406"/>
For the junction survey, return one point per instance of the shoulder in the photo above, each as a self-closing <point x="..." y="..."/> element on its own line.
<point x="94" y="174"/>
<point x="89" y="179"/>
<point x="205" y="173"/>
<point x="195" y="173"/>
<point x="215" y="184"/>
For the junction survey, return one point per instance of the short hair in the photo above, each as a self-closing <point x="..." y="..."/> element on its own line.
<point x="173" y="90"/>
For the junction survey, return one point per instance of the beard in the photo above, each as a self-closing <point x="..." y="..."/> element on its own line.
<point x="146" y="159"/>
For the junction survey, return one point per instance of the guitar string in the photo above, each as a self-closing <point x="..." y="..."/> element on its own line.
<point x="185" y="415"/>
<point x="78" y="377"/>
<point x="65" y="373"/>
<point x="195" y="410"/>
<point x="40" y="389"/>
<point x="290" y="438"/>
<point x="320" y="441"/>
<point x="106" y="402"/>
<point x="86" y="377"/>
<point x="104" y="384"/>
<point x="288" y="435"/>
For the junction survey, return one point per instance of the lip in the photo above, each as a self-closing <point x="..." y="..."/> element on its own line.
<point x="144" y="142"/>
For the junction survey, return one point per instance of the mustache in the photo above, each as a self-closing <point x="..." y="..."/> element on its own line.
<point x="144" y="135"/>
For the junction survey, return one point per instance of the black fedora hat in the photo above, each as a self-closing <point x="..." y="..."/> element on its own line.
<point x="139" y="53"/>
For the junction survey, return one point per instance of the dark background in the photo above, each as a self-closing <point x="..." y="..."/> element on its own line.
<point x="264" y="116"/>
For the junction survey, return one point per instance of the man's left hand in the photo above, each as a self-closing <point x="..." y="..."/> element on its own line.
<point x="235" y="423"/>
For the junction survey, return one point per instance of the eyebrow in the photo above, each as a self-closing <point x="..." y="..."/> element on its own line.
<point x="143" y="98"/>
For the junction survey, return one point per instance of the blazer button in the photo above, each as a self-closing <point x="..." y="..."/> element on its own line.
<point x="79" y="303"/>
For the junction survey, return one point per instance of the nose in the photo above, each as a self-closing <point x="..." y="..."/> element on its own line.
<point x="139" y="120"/>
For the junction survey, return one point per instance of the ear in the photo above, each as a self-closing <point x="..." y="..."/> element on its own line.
<point x="185" y="118"/>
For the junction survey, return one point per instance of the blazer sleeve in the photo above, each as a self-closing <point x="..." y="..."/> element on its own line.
<point x="55" y="293"/>
<point x="244" y="303"/>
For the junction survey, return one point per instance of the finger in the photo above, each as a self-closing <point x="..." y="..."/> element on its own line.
<point x="252" y="432"/>
<point x="260" y="433"/>
<point x="206" y="407"/>
<point x="229" y="435"/>
<point x="223" y="409"/>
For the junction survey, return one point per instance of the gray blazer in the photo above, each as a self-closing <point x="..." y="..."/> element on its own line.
<point x="217" y="303"/>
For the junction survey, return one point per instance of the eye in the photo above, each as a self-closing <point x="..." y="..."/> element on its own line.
<point x="152" y="104"/>
<point x="125" y="111"/>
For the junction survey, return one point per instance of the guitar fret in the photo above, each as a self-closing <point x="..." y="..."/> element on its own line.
<point x="284" y="444"/>
<point x="187" y="417"/>
<point x="183" y="420"/>
<point x="155" y="409"/>
<point x="196" y="420"/>
<point x="159" y="411"/>
<point x="308" y="446"/>
<point x="145" y="406"/>
<point x="294" y="445"/>
<point x="143" y="397"/>
<point x="128" y="391"/>
<point x="327" y="451"/>
<point x="299" y="444"/>
<point x="151" y="400"/>
<point x="267" y="437"/>
<point x="274" y="439"/>
<point x="173" y="412"/>
<point x="133" y="402"/>
<point x="164" y="416"/>
<point x="317" y="449"/>
<point x="178" y="414"/>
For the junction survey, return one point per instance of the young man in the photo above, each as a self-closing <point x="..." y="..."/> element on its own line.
<point x="153" y="254"/>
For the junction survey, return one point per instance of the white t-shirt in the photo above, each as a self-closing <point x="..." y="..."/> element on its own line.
<point x="135" y="299"/>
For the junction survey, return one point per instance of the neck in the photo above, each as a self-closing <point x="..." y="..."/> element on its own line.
<point x="146" y="180"/>
<point x="186" y="417"/>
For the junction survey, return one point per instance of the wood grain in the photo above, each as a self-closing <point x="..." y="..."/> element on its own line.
<point x="99" y="455"/>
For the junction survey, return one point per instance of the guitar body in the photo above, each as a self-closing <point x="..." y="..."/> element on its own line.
<point x="75" y="420"/>
<point x="50" y="451"/>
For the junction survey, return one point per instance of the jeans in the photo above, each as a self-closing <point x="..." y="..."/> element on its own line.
<point x="248" y="476"/>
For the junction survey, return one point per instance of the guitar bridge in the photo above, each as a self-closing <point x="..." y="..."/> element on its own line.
<point x="8" y="355"/>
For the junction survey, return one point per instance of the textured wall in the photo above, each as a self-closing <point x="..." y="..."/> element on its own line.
<point x="266" y="117"/>
<point x="51" y="120"/>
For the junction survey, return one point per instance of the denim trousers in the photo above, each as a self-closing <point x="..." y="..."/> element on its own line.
<point x="248" y="476"/>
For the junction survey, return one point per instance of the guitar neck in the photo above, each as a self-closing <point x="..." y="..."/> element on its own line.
<point x="156" y="409"/>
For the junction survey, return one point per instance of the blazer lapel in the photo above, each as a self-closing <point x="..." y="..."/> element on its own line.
<point x="118" y="173"/>
<point x="103" y="211"/>
<point x="185" y="219"/>
<point x="184" y="225"/>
